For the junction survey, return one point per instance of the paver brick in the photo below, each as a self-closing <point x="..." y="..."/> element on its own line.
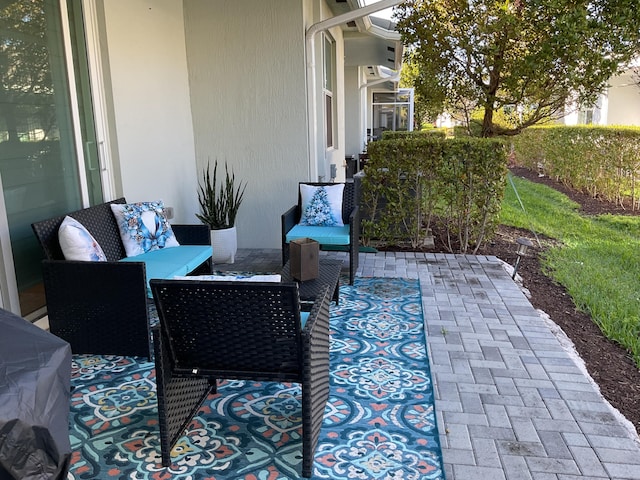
<point x="497" y="416"/>
<point x="555" y="425"/>
<point x="485" y="452"/>
<point x="555" y="445"/>
<point x="515" y="467"/>
<point x="465" y="472"/>
<point x="621" y="471"/>
<point x="588" y="462"/>
<point x="471" y="402"/>
<point x="458" y="457"/>
<point x="618" y="443"/>
<point x="521" y="449"/>
<point x="493" y="433"/>
<point x="553" y="465"/>
<point x="525" y="430"/>
<point x="458" y="436"/>
<point x="464" y="418"/>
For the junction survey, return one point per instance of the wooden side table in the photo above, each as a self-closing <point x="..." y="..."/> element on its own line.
<point x="328" y="274"/>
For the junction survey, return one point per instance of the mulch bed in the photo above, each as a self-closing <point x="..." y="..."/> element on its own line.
<point x="609" y="364"/>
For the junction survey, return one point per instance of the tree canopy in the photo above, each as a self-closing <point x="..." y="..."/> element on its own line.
<point x="528" y="58"/>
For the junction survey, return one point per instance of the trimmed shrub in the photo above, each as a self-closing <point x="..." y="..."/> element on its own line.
<point x="600" y="161"/>
<point x="432" y="132"/>
<point x="414" y="183"/>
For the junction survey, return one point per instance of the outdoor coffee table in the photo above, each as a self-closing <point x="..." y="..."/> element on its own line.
<point x="328" y="274"/>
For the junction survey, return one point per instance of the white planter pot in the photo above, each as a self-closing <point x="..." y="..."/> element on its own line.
<point x="224" y="244"/>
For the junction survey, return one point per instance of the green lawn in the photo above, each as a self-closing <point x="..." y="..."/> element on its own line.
<point x="598" y="260"/>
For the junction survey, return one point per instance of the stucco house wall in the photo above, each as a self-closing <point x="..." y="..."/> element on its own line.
<point x="151" y="103"/>
<point x="623" y="101"/>
<point x="353" y="111"/>
<point x="248" y="100"/>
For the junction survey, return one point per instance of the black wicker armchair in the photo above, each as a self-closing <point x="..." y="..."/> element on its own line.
<point x="101" y="307"/>
<point x="237" y="330"/>
<point x="350" y="217"/>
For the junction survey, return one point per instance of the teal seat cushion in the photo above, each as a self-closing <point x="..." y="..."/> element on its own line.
<point x="303" y="318"/>
<point x="167" y="263"/>
<point x="322" y="235"/>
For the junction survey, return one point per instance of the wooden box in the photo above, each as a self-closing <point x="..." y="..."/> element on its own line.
<point x="303" y="258"/>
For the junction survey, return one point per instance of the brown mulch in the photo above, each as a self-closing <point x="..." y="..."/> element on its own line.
<point x="609" y="364"/>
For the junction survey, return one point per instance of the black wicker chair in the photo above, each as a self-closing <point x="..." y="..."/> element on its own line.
<point x="350" y="216"/>
<point x="101" y="307"/>
<point x="237" y="330"/>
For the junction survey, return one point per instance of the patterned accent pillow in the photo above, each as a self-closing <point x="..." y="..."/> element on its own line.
<point x="143" y="227"/>
<point x="77" y="243"/>
<point x="322" y="205"/>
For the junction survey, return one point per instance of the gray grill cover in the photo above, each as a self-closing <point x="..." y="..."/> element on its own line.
<point x="35" y="377"/>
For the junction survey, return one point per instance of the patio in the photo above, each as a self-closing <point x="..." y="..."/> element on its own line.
<point x="511" y="403"/>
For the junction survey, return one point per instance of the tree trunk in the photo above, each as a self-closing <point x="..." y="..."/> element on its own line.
<point x="487" y="122"/>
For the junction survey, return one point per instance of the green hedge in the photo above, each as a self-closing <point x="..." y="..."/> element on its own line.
<point x="416" y="183"/>
<point x="432" y="132"/>
<point x="600" y="161"/>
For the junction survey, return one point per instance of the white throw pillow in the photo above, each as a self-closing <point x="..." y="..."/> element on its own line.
<point x="321" y="205"/>
<point x="143" y="227"/>
<point x="77" y="243"/>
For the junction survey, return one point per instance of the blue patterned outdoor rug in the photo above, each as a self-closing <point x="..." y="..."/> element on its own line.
<point x="379" y="421"/>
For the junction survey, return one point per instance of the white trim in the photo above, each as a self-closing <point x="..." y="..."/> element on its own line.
<point x="9" y="299"/>
<point x="96" y="77"/>
<point x="73" y="100"/>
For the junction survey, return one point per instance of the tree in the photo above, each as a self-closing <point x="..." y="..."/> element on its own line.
<point x="526" y="57"/>
<point x="424" y="109"/>
<point x="25" y="75"/>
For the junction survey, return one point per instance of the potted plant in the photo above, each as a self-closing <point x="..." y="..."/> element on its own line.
<point x="218" y="208"/>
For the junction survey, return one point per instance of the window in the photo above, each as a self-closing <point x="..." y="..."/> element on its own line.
<point x="327" y="89"/>
<point x="392" y="111"/>
<point x="585" y="116"/>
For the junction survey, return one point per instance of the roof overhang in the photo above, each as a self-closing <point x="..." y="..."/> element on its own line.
<point x="369" y="40"/>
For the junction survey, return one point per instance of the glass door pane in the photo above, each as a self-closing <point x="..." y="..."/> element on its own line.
<point x="38" y="159"/>
<point x="85" y="105"/>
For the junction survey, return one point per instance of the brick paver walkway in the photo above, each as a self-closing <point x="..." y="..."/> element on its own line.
<point x="511" y="402"/>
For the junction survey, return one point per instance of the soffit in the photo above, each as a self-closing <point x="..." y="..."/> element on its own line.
<point x="365" y="49"/>
<point x="368" y="40"/>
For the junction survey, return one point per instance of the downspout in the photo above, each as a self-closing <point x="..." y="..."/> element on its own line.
<point x="312" y="98"/>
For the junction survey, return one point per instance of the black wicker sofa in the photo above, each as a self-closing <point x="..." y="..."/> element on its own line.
<point x="101" y="307"/>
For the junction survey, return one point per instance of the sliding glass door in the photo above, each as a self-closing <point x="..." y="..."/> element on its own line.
<point x="46" y="129"/>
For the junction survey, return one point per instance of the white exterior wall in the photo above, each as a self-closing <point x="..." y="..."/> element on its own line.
<point x="353" y="111"/>
<point x="247" y="80"/>
<point x="150" y="89"/>
<point x="623" y="101"/>
<point x="337" y="153"/>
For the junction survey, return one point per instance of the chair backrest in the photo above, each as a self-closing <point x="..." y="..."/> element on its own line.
<point x="98" y="220"/>
<point x="348" y="197"/>
<point x="232" y="329"/>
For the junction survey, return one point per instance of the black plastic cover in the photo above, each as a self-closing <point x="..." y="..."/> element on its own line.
<point x="35" y="378"/>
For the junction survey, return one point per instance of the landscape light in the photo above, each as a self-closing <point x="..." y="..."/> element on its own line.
<point x="523" y="245"/>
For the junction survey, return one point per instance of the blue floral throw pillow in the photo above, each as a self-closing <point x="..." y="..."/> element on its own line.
<point x="143" y="227"/>
<point x="77" y="243"/>
<point x="322" y="205"/>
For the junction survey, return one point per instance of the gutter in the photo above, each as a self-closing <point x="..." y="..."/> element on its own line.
<point x="395" y="78"/>
<point x="312" y="98"/>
